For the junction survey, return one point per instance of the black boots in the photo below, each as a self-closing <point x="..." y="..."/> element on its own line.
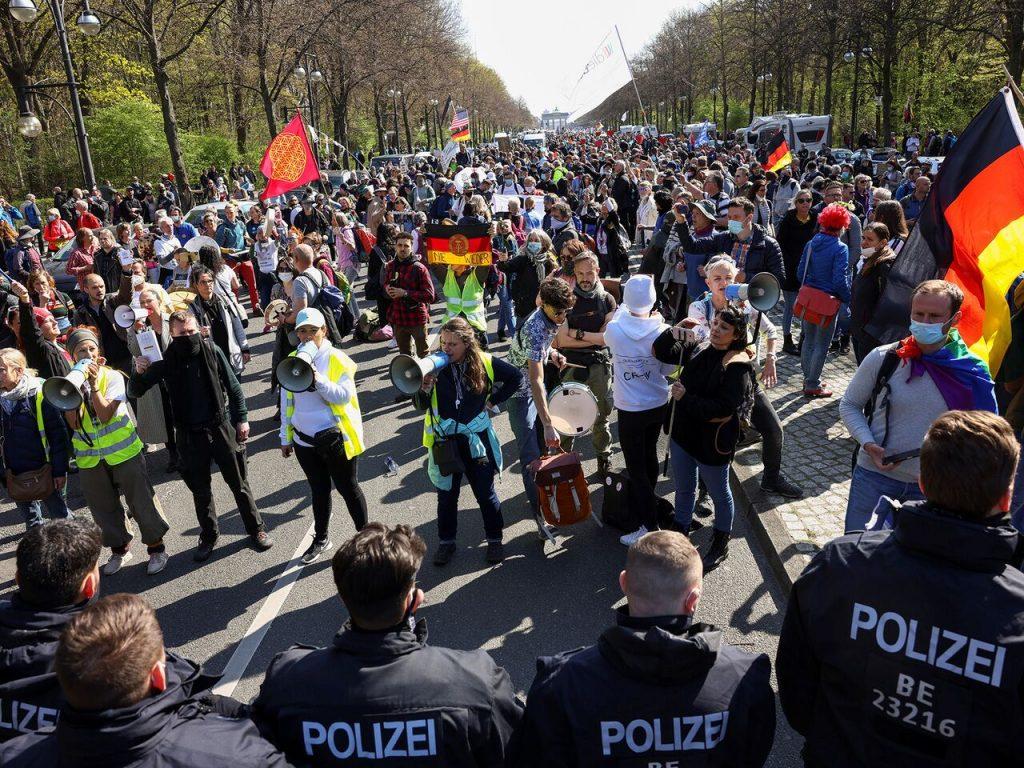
<point x="788" y="347"/>
<point x="717" y="552"/>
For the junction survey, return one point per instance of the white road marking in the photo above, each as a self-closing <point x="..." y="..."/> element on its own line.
<point x="254" y="635"/>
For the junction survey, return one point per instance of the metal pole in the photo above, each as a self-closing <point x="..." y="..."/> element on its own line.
<point x="57" y="9"/>
<point x="853" y="108"/>
<point x="394" y="106"/>
<point x="309" y="110"/>
<point x="643" y="112"/>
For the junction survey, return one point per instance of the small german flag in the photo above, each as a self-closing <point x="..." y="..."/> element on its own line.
<point x="468" y="245"/>
<point x="778" y="153"/>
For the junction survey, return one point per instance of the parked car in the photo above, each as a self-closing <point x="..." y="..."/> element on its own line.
<point x="195" y="216"/>
<point x="382" y="161"/>
<point x="57" y="264"/>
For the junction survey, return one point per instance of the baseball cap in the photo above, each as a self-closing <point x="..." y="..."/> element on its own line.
<point x="310" y="316"/>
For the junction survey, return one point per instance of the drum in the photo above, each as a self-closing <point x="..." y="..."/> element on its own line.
<point x="275" y="312"/>
<point x="573" y="409"/>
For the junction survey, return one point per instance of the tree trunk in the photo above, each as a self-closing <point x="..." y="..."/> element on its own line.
<point x="268" y="101"/>
<point x="405" y="121"/>
<point x="377" y="124"/>
<point x="163" y="90"/>
<point x="241" y="118"/>
<point x="1013" y="38"/>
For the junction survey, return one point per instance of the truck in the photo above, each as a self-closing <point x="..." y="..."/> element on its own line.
<point x="801" y="131"/>
<point x="535" y="140"/>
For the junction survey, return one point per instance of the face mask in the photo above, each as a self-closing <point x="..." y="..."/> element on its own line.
<point x="533" y="248"/>
<point x="557" y="224"/>
<point x="51" y="217"/>
<point x="285" y="277"/>
<point x="867" y="253"/>
<point x="928" y="333"/>
<point x="735" y="227"/>
<point x="188" y="345"/>
<point x="176" y="219"/>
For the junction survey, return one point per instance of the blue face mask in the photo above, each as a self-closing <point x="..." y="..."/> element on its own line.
<point x="928" y="333"/>
<point x="735" y="227"/>
<point x="533" y="248"/>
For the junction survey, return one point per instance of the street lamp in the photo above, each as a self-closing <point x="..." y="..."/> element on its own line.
<point x="29" y="125"/>
<point x="437" y="121"/>
<point x="394" y="93"/>
<point x="299" y="72"/>
<point x="763" y="80"/>
<point x="310" y="74"/>
<point x="25" y="11"/>
<point x="853" y="57"/>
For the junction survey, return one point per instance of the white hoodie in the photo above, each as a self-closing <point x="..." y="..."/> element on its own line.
<point x="640" y="383"/>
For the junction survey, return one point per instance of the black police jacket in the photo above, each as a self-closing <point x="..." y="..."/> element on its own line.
<point x="652" y="692"/>
<point x="29" y="692"/>
<point x="906" y="648"/>
<point x="169" y="730"/>
<point x="387" y="698"/>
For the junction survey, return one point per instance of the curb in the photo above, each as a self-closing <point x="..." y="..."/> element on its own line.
<point x="786" y="557"/>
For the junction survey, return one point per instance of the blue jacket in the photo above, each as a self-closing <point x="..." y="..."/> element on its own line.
<point x="23" y="450"/>
<point x="829" y="269"/>
<point x="184" y="232"/>
<point x="764" y="254"/>
<point x="231" y="236"/>
<point x="441" y="207"/>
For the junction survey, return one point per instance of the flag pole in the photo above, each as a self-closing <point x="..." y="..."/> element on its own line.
<point x="629" y="66"/>
<point x="1013" y="86"/>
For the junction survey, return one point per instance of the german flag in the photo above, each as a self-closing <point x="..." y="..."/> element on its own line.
<point x="779" y="155"/>
<point x="970" y="232"/>
<point x="468" y="245"/>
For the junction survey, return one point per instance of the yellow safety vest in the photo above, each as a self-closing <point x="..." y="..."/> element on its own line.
<point x="433" y="416"/>
<point x="469" y="301"/>
<point x="350" y="421"/>
<point x="114" y="441"/>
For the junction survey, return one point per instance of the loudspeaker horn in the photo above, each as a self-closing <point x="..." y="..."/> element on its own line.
<point x="762" y="292"/>
<point x="295" y="373"/>
<point x="407" y="372"/>
<point x="65" y="392"/>
<point x="126" y="315"/>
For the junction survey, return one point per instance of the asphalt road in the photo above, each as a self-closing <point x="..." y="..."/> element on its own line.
<point x="539" y="601"/>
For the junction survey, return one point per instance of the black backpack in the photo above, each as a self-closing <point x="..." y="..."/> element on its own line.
<point x="331" y="303"/>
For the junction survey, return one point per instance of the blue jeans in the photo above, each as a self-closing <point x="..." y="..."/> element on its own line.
<point x="685" y="469"/>
<point x="528" y="440"/>
<point x="867" y="488"/>
<point x="814" y="340"/>
<point x="843" y="319"/>
<point x="480" y="476"/>
<point x="506" y="317"/>
<point x="33" y="510"/>
<point x="787" y="312"/>
<point x="265" y="282"/>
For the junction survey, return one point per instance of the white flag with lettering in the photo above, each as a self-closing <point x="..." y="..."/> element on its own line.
<point x="601" y="75"/>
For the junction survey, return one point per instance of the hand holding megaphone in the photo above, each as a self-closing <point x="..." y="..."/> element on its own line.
<point x="126" y="316"/>
<point x="762" y="292"/>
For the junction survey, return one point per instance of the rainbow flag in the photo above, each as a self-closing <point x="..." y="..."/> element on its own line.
<point x="970" y="232"/>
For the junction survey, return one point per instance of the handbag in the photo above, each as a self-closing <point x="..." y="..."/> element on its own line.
<point x="813" y="304"/>
<point x="34" y="485"/>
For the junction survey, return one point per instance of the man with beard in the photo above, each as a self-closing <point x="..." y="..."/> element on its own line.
<point x="204" y="395"/>
<point x="581" y="341"/>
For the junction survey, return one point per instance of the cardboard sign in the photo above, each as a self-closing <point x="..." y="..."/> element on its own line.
<point x="148" y="345"/>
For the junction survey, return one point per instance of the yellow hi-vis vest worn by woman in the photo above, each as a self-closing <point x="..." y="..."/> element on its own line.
<point x="350" y="421"/>
<point x="114" y="441"/>
<point x="467" y="301"/>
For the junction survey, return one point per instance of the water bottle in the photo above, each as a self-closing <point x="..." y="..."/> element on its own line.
<point x="390" y="467"/>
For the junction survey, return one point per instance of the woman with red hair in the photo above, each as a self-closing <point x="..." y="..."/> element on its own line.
<point x="824" y="273"/>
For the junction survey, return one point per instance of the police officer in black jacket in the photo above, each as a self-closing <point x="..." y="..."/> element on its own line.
<point x="657" y="689"/>
<point x="906" y="647"/>
<point x="57" y="575"/>
<point x="380" y="695"/>
<point x="128" y="702"/>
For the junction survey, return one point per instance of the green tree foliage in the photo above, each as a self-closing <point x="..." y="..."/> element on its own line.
<point x="127" y="140"/>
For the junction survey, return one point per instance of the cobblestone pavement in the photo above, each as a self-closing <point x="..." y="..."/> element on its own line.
<point x="816" y="455"/>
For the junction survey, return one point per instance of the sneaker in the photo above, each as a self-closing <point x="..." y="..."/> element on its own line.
<point x="630" y="539"/>
<point x="261" y="541"/>
<point x="266" y="329"/>
<point x="393" y="344"/>
<point x="157" y="562"/>
<point x="445" y="552"/>
<point x="717" y="552"/>
<point x="782" y="487"/>
<point x="820" y="392"/>
<point x="789" y="348"/>
<point x="204" y="550"/>
<point x="604" y="465"/>
<point x="502" y="337"/>
<point x="116" y="562"/>
<point x="495" y="552"/>
<point x="317" y="548"/>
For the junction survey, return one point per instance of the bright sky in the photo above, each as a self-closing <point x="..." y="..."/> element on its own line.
<point x="537" y="49"/>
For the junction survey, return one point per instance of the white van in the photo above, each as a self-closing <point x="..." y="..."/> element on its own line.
<point x="810" y="132"/>
<point x="535" y="140"/>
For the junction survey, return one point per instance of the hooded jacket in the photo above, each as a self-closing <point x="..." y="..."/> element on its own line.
<point x="764" y="254"/>
<point x="906" y="647"/>
<point x="388" y="698"/>
<point x="829" y="268"/>
<point x="656" y="691"/>
<point x="640" y="383"/>
<point x="29" y="692"/>
<point x="168" y="730"/>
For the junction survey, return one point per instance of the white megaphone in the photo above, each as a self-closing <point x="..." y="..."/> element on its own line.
<point x="762" y="292"/>
<point x="65" y="392"/>
<point x="295" y="372"/>
<point x="407" y="372"/>
<point x="126" y="315"/>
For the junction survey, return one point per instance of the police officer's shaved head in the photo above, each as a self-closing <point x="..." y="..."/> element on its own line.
<point x="663" y="575"/>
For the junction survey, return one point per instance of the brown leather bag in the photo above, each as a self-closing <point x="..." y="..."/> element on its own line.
<point x="561" y="488"/>
<point x="34" y="485"/>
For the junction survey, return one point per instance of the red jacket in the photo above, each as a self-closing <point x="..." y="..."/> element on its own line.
<point x="413" y="310"/>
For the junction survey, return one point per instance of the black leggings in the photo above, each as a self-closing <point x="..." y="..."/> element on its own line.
<point x="320" y="470"/>
<point x="766" y="421"/>
<point x="638" y="438"/>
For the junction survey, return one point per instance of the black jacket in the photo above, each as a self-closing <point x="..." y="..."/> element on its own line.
<point x="170" y="730"/>
<point x="764" y="254"/>
<point x="792" y="237"/>
<point x="652" y="692"/>
<point x="906" y="647"/>
<point x="524" y="285"/>
<point x="30" y="695"/>
<point x="47" y="357"/>
<point x="865" y="293"/>
<point x="378" y="695"/>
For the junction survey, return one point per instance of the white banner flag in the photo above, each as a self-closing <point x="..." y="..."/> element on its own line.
<point x="604" y="73"/>
<point x="451" y="149"/>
